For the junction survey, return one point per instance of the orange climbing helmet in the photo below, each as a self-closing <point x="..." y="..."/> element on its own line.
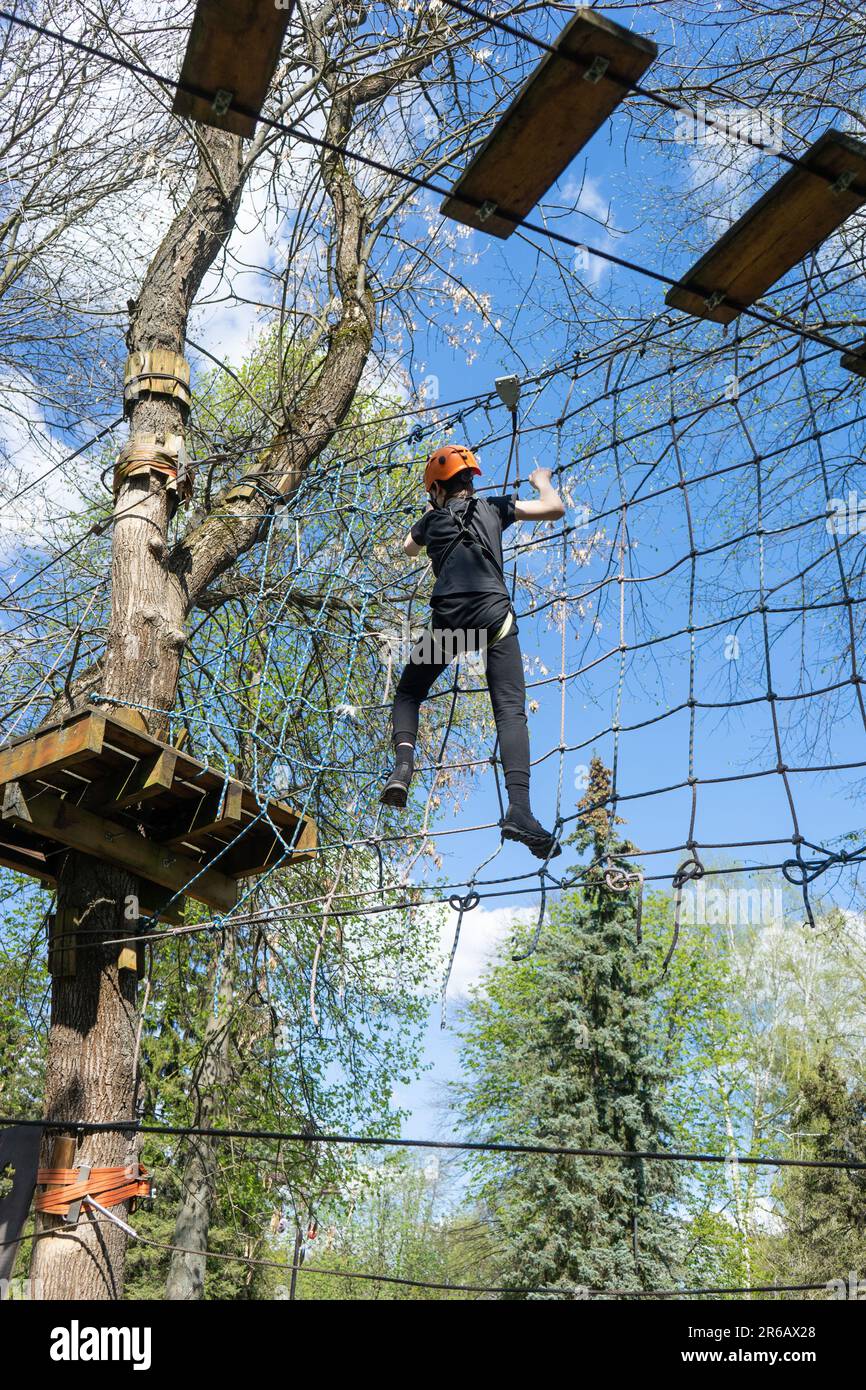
<point x="450" y="459"/>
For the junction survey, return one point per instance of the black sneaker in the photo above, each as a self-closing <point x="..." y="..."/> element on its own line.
<point x="522" y="826"/>
<point x="396" y="789"/>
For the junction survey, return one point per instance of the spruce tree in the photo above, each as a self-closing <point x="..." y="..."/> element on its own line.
<point x="559" y="1047"/>
<point x="824" y="1209"/>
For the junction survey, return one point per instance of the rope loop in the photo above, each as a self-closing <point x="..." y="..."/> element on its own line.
<point x="464" y="904"/>
<point x="460" y="904"/>
<point x="799" y="872"/>
<point x="690" y="869"/>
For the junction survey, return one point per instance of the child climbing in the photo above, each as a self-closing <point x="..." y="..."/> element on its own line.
<point x="471" y="611"/>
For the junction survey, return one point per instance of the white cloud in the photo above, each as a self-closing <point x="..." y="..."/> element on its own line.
<point x="589" y="200"/>
<point x="482" y="938"/>
<point x="31" y="450"/>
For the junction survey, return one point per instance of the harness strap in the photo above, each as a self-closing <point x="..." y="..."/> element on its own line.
<point x="503" y="630"/>
<point x="467" y="536"/>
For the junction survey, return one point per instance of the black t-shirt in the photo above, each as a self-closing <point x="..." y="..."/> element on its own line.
<point x="470" y="589"/>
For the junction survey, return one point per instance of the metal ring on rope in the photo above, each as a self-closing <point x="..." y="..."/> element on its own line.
<point x="620" y="880"/>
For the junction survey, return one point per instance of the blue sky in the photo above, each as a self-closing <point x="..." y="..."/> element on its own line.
<point x="730" y="655"/>
<point x="645" y="191"/>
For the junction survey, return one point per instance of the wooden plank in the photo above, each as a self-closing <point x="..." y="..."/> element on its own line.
<point x="307" y="841"/>
<point x="147" y="778"/>
<point x="136" y="744"/>
<point x="260" y="850"/>
<point x="550" y="120"/>
<point x="232" y="53"/>
<point x="253" y="855"/>
<point x="50" y="727"/>
<point x="129" y="958"/>
<point x="855" y="361"/>
<point x="192" y="777"/>
<point x="57" y="819"/>
<point x="280" y="812"/>
<point x="215" y="811"/>
<point x="789" y="222"/>
<point x="66" y="779"/>
<point x="35" y="864"/>
<point x="158" y="372"/>
<point x="60" y="747"/>
<point x="132" y="718"/>
<point x="23" y="860"/>
<point x="152" y="777"/>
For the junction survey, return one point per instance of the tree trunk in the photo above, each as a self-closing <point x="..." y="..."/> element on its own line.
<point x="90" y="1077"/>
<point x="186" y="1272"/>
<point x="90" y="1069"/>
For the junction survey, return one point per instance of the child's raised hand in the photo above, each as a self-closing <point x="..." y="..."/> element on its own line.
<point x="538" y="478"/>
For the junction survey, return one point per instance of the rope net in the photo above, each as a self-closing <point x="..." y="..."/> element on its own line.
<point x="693" y="623"/>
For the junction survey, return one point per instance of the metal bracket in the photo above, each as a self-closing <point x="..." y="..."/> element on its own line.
<point x="111" y="1216"/>
<point x="222" y="100"/>
<point x="74" y="1212"/>
<point x="596" y="70"/>
<point x="508" y="388"/>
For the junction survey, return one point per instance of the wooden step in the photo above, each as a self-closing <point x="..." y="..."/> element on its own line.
<point x="790" y="221"/>
<point x="566" y="100"/>
<point x="233" y="50"/>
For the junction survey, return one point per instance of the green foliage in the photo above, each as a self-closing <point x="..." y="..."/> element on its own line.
<point x="24" y="996"/>
<point x="702" y="1049"/>
<point x="396" y="1218"/>
<point x="558" y="1050"/>
<point x="824" y="1233"/>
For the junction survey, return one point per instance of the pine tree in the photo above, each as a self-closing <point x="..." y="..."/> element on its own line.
<point x="824" y="1209"/>
<point x="560" y="1049"/>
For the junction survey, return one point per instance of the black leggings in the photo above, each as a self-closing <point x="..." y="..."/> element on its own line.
<point x="505" y="682"/>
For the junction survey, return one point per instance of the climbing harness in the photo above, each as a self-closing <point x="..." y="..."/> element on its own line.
<point x="467" y="536"/>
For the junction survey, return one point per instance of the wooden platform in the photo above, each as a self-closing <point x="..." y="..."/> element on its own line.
<point x="232" y="53"/>
<point x="567" y="98"/>
<point x="789" y="222"/>
<point x="96" y="784"/>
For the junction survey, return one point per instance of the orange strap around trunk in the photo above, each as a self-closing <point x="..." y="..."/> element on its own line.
<point x="107" y="1185"/>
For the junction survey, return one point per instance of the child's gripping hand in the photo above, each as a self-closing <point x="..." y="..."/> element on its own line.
<point x="547" y="506"/>
<point x="539" y="478"/>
